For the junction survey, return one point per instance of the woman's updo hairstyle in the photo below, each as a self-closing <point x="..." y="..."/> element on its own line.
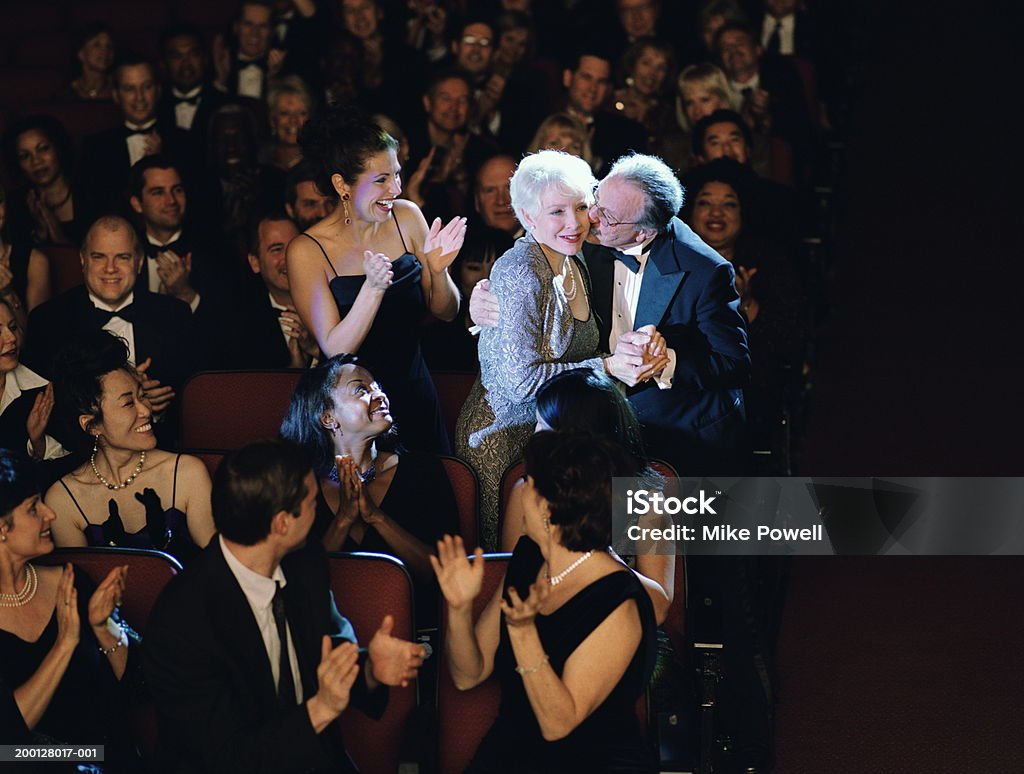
<point x="573" y="471"/>
<point x="340" y="141"/>
<point x="78" y="387"/>
<point x="18" y="482"/>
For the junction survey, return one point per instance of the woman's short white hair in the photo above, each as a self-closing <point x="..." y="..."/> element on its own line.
<point x="545" y="169"/>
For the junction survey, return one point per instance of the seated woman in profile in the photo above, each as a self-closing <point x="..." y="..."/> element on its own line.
<point x="582" y="399"/>
<point x="66" y="661"/>
<point x="570" y="633"/>
<point x="372" y="497"/>
<point x="126" y="492"/>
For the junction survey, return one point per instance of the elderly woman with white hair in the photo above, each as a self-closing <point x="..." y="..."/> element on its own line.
<point x="546" y="325"/>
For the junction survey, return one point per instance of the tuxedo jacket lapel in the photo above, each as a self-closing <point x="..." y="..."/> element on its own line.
<point x="601" y="266"/>
<point x="237" y="628"/>
<point x="662" y="277"/>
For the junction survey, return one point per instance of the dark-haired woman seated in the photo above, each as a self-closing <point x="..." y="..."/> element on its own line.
<point x="66" y="660"/>
<point x="364" y="278"/>
<point x="126" y="492"/>
<point x="372" y="498"/>
<point x="583" y="399"/>
<point x="45" y="206"/>
<point x="570" y="633"/>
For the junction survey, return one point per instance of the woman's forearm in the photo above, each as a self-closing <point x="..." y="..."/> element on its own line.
<point x="34" y="695"/>
<point x="444" y="297"/>
<point x="465" y="659"/>
<point x="551" y="701"/>
<point x="350" y="333"/>
<point x="406" y="547"/>
<point x="113" y="641"/>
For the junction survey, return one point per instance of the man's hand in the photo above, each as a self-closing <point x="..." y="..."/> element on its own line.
<point x="483" y="305"/>
<point x="301" y="345"/>
<point x="174" y="272"/>
<point x="335" y="675"/>
<point x="158" y="395"/>
<point x="275" y="61"/>
<point x="393" y="661"/>
<point x="153" y="144"/>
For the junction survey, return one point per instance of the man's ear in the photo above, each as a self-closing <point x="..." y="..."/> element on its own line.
<point x="426" y="103"/>
<point x="254" y="263"/>
<point x="281" y="523"/>
<point x="290" y="210"/>
<point x="136" y="204"/>
<point x="566" y="78"/>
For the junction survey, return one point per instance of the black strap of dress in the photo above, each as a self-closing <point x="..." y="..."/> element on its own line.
<point x="405" y="249"/>
<point x="79" y="507"/>
<point x="174" y="483"/>
<point x="326" y="257"/>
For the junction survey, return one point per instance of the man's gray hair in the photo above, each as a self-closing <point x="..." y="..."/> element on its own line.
<point x="663" y="194"/>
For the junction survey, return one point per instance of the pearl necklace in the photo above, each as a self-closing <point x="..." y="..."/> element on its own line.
<point x="554" y="580"/>
<point x="127" y="481"/>
<point x="568" y="275"/>
<point x="23" y="597"/>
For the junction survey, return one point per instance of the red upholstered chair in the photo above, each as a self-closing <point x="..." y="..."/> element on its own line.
<point x="465" y="716"/>
<point x="148" y="573"/>
<point x="80" y="118"/>
<point x="366" y="588"/>
<point x="783" y="170"/>
<point x="467" y="498"/>
<point x="65" y="267"/>
<point x="452" y="390"/>
<point x="224" y="410"/>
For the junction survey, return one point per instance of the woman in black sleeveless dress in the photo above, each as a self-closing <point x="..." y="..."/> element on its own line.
<point x="570" y="634"/>
<point x="364" y="278"/>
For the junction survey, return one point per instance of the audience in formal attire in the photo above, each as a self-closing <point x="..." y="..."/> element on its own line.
<point x="189" y="99"/>
<point x="24" y="270"/>
<point x="303" y="201"/>
<point x="94" y="58"/>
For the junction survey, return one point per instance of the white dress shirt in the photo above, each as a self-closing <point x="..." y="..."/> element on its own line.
<point x="626" y="297"/>
<point x="152" y="265"/>
<point x="259" y="592"/>
<point x="20" y="379"/>
<point x="754" y="83"/>
<point x="185" y="112"/>
<point x="250" y="80"/>
<point x="785" y="32"/>
<point x="137" y="142"/>
<point x="118" y="326"/>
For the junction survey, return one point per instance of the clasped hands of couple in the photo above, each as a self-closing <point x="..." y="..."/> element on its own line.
<point x="639" y="355"/>
<point x="440" y="248"/>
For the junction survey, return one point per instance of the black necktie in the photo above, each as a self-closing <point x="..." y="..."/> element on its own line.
<point x="774" y="45"/>
<point x="285" y="681"/>
<point x="631" y="262"/>
<point x="104" y="316"/>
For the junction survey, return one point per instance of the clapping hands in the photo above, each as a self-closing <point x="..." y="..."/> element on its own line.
<point x="460" y="581"/>
<point x="443" y="244"/>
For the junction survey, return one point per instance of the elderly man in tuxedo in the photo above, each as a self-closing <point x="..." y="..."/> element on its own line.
<point x="240" y="650"/>
<point x="652" y="275"/>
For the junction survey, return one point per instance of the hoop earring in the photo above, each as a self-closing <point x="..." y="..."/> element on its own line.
<point x="344" y="208"/>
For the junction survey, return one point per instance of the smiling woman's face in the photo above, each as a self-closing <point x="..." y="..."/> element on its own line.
<point x="716" y="214"/>
<point x="561" y="221"/>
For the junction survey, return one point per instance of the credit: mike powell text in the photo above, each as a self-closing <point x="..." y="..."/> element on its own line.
<point x="725" y="533"/>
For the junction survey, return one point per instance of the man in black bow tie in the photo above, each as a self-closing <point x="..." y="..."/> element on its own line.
<point x="189" y="100"/>
<point x="650" y="270"/>
<point x="157" y="329"/>
<point x="244" y="69"/>
<point x="108" y="155"/>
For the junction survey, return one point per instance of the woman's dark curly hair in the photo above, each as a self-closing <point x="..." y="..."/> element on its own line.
<point x="310" y="401"/>
<point x="18" y="481"/>
<point x="78" y="388"/>
<point x="340" y="141"/>
<point x="55" y="133"/>
<point x="573" y="471"/>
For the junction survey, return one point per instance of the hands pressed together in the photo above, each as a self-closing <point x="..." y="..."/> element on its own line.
<point x="639" y="355"/>
<point x="102" y="604"/>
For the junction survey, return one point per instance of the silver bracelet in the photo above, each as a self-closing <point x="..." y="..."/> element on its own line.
<point x="530" y="670"/>
<point x="121" y="642"/>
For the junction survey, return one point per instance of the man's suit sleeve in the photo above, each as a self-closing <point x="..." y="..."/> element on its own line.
<point x="726" y="364"/>
<point x="201" y="710"/>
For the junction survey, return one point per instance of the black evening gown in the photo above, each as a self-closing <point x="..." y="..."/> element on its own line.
<point x="610" y="739"/>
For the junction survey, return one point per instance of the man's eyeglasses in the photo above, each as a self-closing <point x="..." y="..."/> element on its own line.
<point x="606" y="219"/>
<point x="473" y="40"/>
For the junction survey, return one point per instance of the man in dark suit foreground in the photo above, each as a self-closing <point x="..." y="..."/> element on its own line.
<point x="238" y="653"/>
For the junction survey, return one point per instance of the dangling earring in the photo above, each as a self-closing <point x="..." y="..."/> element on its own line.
<point x="344" y="208"/>
<point x="95" y="444"/>
<point x="547" y="524"/>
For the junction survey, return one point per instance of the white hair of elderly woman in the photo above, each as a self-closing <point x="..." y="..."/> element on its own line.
<point x="539" y="171"/>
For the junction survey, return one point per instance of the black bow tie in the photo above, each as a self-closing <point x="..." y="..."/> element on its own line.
<point x="177" y="246"/>
<point x="631" y="262"/>
<point x="260" y="63"/>
<point x="129" y="132"/>
<point x="103" y="316"/>
<point x="188" y="100"/>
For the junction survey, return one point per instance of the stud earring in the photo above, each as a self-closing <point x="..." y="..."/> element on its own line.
<point x="344" y="208"/>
